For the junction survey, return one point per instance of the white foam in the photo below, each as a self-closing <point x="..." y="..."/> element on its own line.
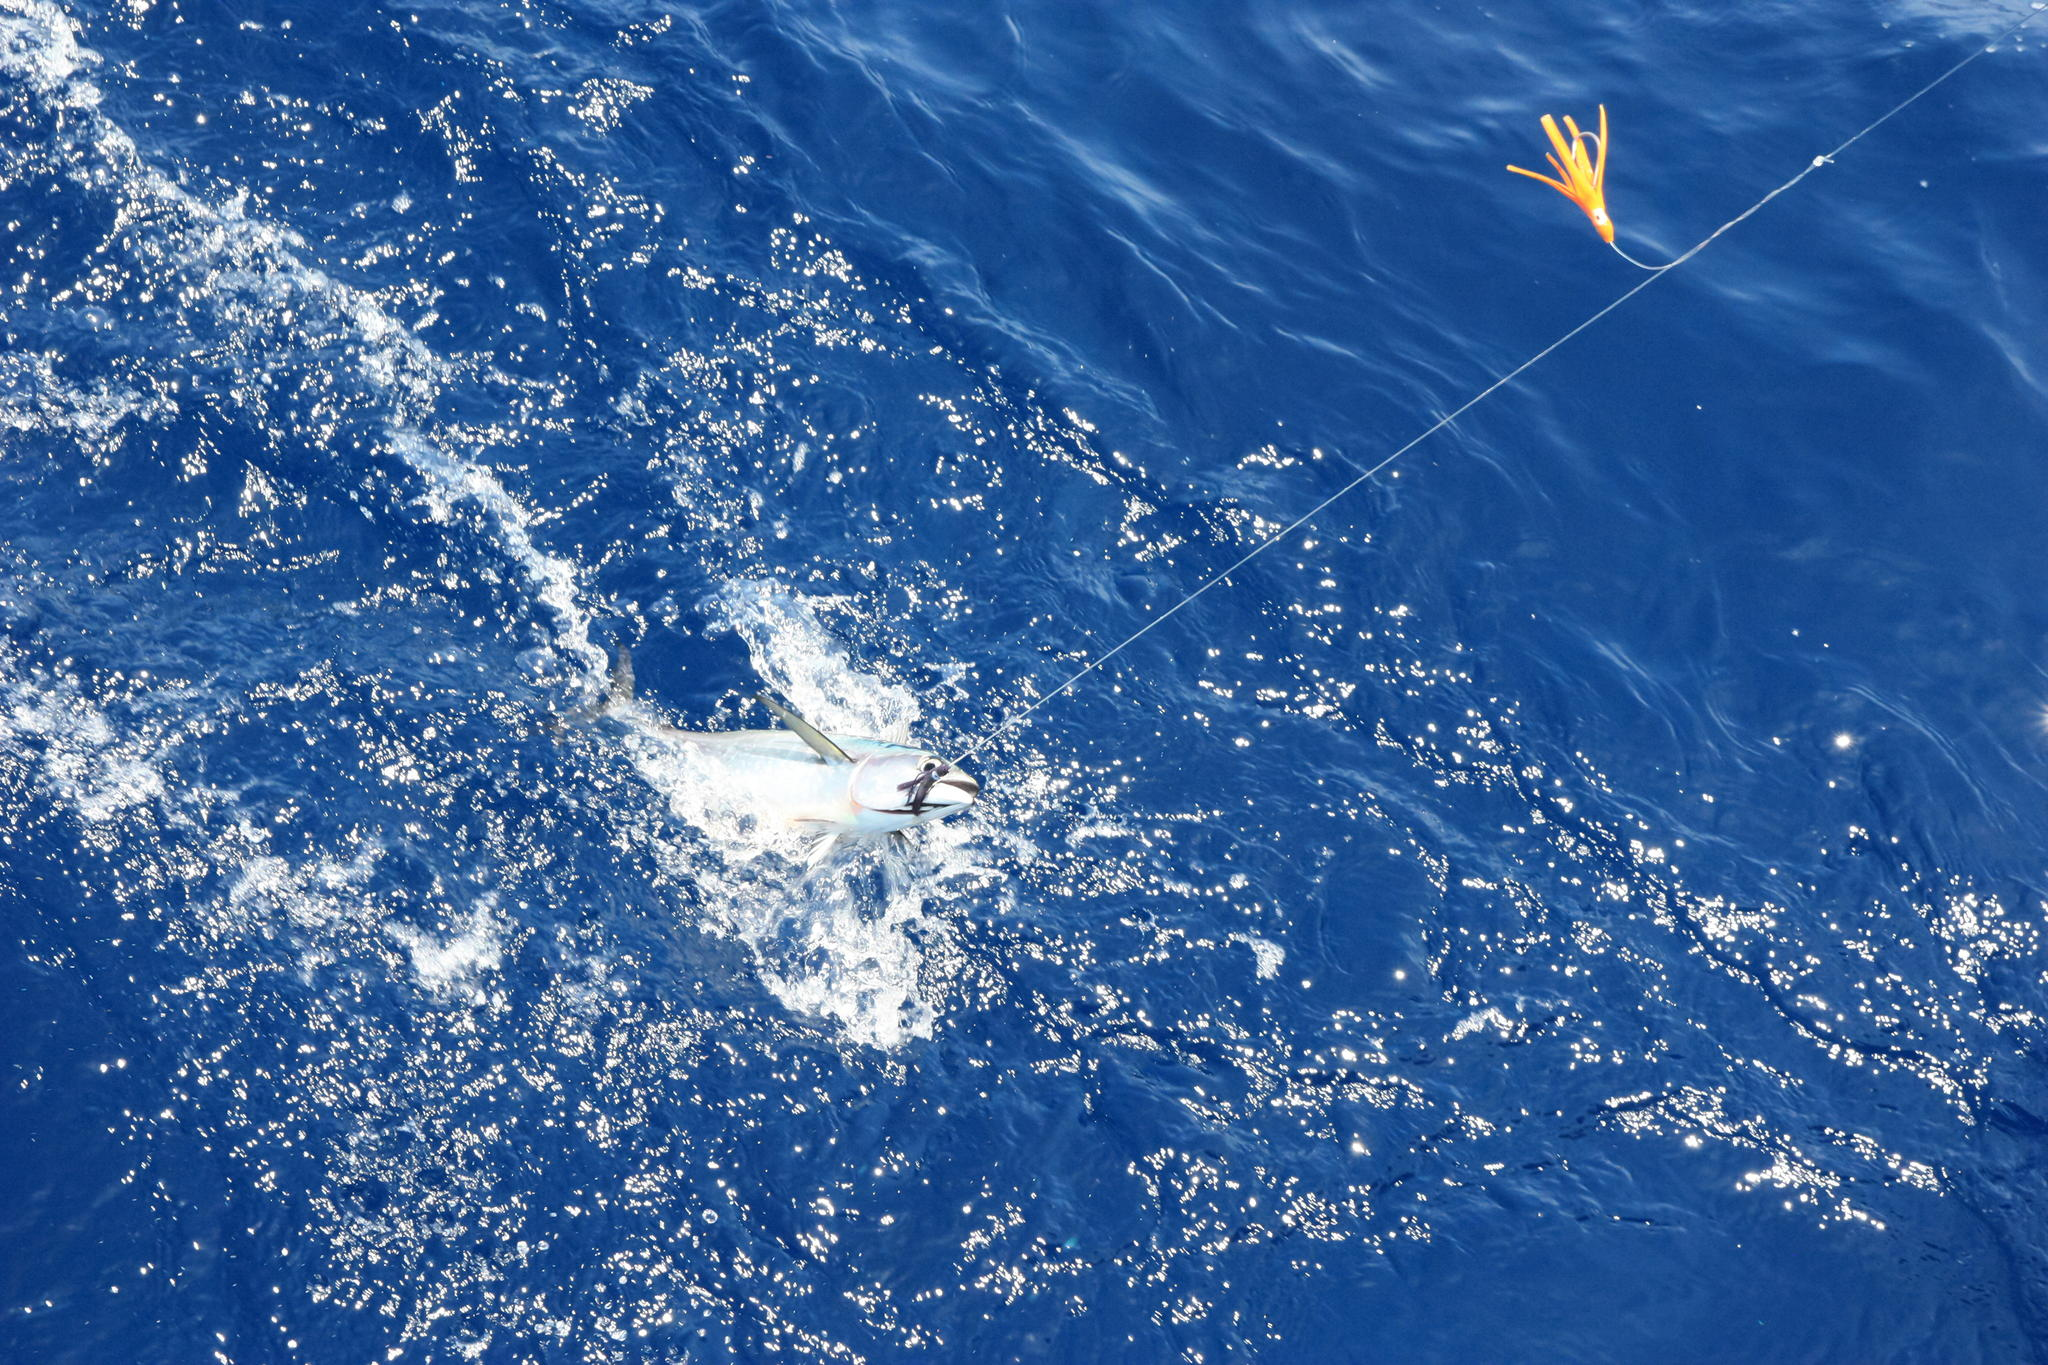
<point x="1267" y="956"/>
<point x="39" y="47"/>
<point x="99" y="774"/>
<point x="553" y="577"/>
<point x="459" y="963"/>
<point x="33" y="397"/>
<point x="797" y="654"/>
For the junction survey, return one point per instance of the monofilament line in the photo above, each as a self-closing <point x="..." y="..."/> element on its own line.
<point x="1659" y="272"/>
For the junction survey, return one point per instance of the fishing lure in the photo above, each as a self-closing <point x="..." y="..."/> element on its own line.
<point x="1581" y="179"/>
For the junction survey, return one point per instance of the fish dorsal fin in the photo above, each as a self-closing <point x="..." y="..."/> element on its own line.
<point x="821" y="743"/>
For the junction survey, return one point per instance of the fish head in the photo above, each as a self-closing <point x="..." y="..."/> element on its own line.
<point x="899" y="789"/>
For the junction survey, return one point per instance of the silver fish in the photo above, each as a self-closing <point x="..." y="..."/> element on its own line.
<point x="819" y="783"/>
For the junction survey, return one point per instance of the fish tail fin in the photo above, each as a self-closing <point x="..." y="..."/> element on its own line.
<point x="619" y="681"/>
<point x="618" y="688"/>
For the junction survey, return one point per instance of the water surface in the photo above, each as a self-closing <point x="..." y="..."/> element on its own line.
<point x="1580" y="901"/>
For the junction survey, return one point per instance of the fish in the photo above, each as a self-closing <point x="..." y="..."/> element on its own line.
<point x="827" y="784"/>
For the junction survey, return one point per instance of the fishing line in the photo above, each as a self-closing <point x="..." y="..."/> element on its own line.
<point x="1643" y="265"/>
<point x="1657" y="272"/>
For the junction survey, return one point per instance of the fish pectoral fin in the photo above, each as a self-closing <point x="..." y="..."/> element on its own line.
<point x="822" y="851"/>
<point x="821" y="743"/>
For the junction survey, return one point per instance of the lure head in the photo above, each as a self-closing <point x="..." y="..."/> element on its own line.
<point x="898" y="789"/>
<point x="1602" y="224"/>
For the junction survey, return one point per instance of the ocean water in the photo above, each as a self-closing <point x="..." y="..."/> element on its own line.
<point x="1582" y="900"/>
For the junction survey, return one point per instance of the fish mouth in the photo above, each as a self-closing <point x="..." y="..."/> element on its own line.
<point x="963" y="783"/>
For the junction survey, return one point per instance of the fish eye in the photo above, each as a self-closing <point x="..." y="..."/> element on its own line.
<point x="931" y="765"/>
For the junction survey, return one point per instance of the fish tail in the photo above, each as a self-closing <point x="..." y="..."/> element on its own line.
<point x="618" y="688"/>
<point x="619" y="682"/>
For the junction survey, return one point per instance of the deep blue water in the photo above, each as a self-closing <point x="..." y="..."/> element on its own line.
<point x="1582" y="902"/>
